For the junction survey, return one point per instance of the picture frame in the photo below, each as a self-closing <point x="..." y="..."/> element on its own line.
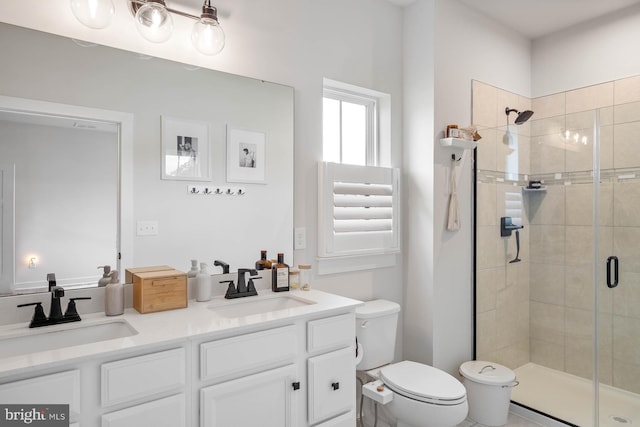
<point x="185" y="149"/>
<point x="246" y="153"/>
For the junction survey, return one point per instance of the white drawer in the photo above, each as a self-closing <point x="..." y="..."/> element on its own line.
<point x="246" y="354"/>
<point x="61" y="388"/>
<point x="331" y="333"/>
<point x="332" y="385"/>
<point x="167" y="412"/>
<point x="142" y="376"/>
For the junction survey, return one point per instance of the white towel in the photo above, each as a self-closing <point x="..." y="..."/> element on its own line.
<point x="453" y="222"/>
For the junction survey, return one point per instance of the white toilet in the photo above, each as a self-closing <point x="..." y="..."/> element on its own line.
<point x="415" y="394"/>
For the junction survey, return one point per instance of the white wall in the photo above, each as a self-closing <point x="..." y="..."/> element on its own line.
<point x="447" y="46"/>
<point x="598" y="51"/>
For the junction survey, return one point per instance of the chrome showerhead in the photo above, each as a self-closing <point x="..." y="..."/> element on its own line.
<point x="522" y="116"/>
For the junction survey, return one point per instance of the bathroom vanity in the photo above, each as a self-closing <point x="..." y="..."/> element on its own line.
<point x="269" y="360"/>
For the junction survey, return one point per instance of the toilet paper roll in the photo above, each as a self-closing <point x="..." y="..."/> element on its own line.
<point x="359" y="354"/>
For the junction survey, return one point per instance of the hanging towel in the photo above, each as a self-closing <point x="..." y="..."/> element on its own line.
<point x="453" y="222"/>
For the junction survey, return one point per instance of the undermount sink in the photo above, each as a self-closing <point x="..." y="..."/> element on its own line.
<point x="258" y="305"/>
<point x="61" y="336"/>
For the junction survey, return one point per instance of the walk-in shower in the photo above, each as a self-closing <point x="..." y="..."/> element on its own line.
<point x="570" y="177"/>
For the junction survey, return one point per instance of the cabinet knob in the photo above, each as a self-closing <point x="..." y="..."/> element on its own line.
<point x="296" y="385"/>
<point x="335" y="385"/>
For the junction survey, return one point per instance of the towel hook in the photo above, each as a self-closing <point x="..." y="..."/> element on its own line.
<point x="453" y="157"/>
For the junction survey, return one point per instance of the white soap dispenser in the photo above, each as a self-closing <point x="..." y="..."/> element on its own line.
<point x="203" y="284"/>
<point x="114" y="296"/>
<point x="194" y="268"/>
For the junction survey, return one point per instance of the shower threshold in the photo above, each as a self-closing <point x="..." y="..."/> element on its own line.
<point x="570" y="398"/>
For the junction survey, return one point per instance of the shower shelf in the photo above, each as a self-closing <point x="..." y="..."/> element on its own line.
<point x="534" y="190"/>
<point x="458" y="143"/>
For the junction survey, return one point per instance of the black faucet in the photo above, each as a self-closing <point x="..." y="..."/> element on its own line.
<point x="242" y="290"/>
<point x="55" y="311"/>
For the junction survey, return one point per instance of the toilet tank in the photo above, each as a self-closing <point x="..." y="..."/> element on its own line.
<point x="376" y="325"/>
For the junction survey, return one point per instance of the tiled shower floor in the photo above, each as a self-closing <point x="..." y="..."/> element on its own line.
<point x="569" y="398"/>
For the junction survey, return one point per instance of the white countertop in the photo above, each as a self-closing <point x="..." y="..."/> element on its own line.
<point x="199" y="319"/>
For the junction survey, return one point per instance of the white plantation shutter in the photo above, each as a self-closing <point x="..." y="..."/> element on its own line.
<point x="359" y="210"/>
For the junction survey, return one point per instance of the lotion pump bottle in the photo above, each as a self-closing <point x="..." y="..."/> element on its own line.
<point x="106" y="277"/>
<point x="203" y="284"/>
<point x="194" y="268"/>
<point x="114" y="296"/>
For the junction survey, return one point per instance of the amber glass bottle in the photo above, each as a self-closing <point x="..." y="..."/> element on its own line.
<point x="263" y="263"/>
<point x="280" y="275"/>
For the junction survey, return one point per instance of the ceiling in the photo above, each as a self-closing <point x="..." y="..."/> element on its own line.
<point x="531" y="18"/>
<point x="536" y="18"/>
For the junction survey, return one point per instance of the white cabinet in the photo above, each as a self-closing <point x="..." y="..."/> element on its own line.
<point x="59" y="388"/>
<point x="332" y="375"/>
<point x="167" y="412"/>
<point x="266" y="399"/>
<point x="142" y="376"/>
<point x="332" y="385"/>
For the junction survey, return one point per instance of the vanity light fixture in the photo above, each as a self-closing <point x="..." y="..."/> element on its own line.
<point x="154" y="22"/>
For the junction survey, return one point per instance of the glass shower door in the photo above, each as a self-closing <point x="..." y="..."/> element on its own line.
<point x="617" y="304"/>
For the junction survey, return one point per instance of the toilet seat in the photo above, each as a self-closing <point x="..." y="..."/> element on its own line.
<point x="423" y="383"/>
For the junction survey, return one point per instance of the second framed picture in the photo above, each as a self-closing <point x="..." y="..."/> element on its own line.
<point x="246" y="154"/>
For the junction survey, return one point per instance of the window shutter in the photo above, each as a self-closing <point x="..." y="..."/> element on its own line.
<point x="359" y="210"/>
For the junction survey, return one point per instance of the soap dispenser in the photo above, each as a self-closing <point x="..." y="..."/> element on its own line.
<point x="194" y="268"/>
<point x="106" y="277"/>
<point x="114" y="296"/>
<point x="203" y="284"/>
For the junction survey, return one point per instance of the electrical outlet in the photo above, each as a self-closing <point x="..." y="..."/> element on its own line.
<point x="300" y="238"/>
<point x="147" y="228"/>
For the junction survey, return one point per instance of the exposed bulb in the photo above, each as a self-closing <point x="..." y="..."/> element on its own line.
<point x="207" y="36"/>
<point x="94" y="14"/>
<point x="154" y="22"/>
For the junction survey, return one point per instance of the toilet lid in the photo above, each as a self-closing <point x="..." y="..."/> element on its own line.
<point x="487" y="372"/>
<point x="423" y="382"/>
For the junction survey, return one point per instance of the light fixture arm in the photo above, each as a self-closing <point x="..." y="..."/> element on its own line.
<point x="208" y="11"/>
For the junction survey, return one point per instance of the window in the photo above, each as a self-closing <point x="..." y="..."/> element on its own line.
<point x="358" y="199"/>
<point x="349" y="131"/>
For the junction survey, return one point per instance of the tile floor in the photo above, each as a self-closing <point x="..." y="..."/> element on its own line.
<point x="513" y="421"/>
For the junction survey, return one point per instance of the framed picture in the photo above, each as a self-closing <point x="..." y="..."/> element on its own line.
<point x="245" y="156"/>
<point x="185" y="150"/>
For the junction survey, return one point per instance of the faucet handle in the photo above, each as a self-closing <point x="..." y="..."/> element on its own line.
<point x="39" y="318"/>
<point x="230" y="290"/>
<point x="72" y="313"/>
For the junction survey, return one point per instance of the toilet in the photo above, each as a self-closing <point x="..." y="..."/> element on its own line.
<point x="415" y="394"/>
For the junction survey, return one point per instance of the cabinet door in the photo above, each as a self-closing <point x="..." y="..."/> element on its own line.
<point x="167" y="412"/>
<point x="332" y="384"/>
<point x="267" y="399"/>
<point x="60" y="388"/>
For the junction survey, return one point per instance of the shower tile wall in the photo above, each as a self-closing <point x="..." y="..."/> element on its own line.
<point x="540" y="310"/>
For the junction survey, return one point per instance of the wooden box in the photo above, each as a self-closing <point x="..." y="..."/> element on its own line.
<point x="129" y="272"/>
<point x="159" y="290"/>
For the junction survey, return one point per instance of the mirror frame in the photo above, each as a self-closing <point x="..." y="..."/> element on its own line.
<point x="124" y="122"/>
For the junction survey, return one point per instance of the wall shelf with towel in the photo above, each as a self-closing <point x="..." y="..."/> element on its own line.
<point x="458" y="143"/>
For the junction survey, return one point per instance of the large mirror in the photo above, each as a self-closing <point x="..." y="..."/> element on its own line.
<point x="85" y="211"/>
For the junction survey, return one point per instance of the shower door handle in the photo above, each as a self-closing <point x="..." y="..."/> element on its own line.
<point x="612" y="260"/>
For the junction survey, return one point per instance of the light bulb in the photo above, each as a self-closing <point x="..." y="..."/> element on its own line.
<point x="154" y="22"/>
<point x="207" y="36"/>
<point x="95" y="14"/>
